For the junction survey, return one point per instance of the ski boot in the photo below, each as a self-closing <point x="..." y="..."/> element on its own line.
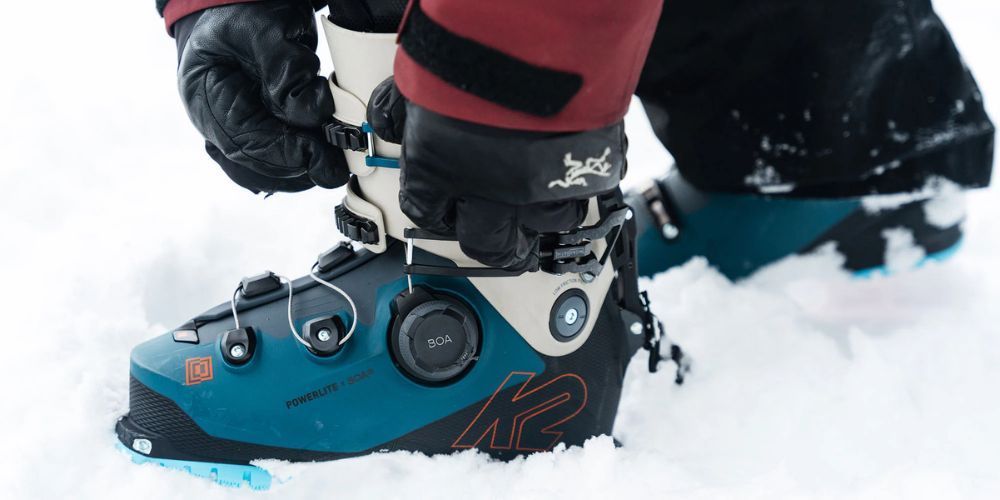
<point x="403" y="344"/>
<point x="740" y="233"/>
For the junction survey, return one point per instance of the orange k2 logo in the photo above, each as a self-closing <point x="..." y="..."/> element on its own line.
<point x="530" y="419"/>
<point x="197" y="370"/>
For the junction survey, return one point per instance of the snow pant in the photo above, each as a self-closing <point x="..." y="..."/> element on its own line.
<point x="811" y="98"/>
<point x="814" y="98"/>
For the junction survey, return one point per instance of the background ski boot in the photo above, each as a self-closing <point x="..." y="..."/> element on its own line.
<point x="740" y="233"/>
<point x="405" y="344"/>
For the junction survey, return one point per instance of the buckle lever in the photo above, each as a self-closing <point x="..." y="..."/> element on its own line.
<point x="346" y="136"/>
<point x="559" y="253"/>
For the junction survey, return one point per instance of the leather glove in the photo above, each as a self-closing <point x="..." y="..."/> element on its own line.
<point x="248" y="76"/>
<point x="495" y="189"/>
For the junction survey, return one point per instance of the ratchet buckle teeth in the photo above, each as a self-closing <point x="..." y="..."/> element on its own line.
<point x="570" y="252"/>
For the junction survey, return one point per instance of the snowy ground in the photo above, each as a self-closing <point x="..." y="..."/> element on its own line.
<point x="117" y="226"/>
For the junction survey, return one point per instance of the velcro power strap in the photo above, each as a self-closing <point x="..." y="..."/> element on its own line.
<point x="484" y="71"/>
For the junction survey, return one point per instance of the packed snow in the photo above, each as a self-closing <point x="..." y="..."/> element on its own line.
<point x="117" y="226"/>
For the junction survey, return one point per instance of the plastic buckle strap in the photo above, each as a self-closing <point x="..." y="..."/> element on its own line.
<point x="655" y="336"/>
<point x="652" y="333"/>
<point x="561" y="253"/>
<point x="354" y="138"/>
<point x="347" y="137"/>
<point x="409" y="268"/>
<point x="571" y="252"/>
<point x="356" y="227"/>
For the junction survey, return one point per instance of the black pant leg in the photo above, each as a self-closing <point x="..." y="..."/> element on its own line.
<point x="824" y="97"/>
<point x="372" y="16"/>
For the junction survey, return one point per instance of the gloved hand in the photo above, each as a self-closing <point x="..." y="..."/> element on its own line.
<point x="248" y="75"/>
<point x="495" y="189"/>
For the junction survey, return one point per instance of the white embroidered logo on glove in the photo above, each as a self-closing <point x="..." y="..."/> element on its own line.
<point x="577" y="170"/>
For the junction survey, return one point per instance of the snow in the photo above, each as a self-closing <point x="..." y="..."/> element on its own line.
<point x="945" y="196"/>
<point x="947" y="208"/>
<point x="901" y="252"/>
<point x="116" y="226"/>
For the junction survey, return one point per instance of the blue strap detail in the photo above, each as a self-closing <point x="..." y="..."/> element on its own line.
<point x="376" y="161"/>
<point x="381" y="161"/>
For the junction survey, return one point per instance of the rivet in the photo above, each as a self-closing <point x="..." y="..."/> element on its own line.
<point x="237" y="351"/>
<point x="636" y="328"/>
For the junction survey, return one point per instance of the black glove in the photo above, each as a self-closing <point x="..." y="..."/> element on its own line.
<point x="495" y="189"/>
<point x="248" y="75"/>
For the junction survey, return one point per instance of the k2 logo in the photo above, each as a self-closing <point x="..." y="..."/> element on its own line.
<point x="530" y="419"/>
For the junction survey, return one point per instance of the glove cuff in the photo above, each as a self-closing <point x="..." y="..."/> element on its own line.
<point x="174" y="10"/>
<point x="511" y="166"/>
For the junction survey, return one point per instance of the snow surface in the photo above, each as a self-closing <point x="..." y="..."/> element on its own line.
<point x="117" y="226"/>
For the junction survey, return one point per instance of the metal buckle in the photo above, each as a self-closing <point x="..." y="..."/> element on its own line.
<point x="371" y="159"/>
<point x="659" y="209"/>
